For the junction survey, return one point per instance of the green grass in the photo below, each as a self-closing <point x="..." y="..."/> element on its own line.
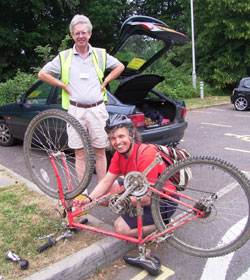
<point x="22" y="221"/>
<point x="26" y="215"/>
<point x="211" y="100"/>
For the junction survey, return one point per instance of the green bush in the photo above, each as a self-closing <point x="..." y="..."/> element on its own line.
<point x="16" y="87"/>
<point x="178" y="80"/>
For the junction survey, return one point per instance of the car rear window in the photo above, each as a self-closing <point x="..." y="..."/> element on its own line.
<point x="247" y="83"/>
<point x="137" y="50"/>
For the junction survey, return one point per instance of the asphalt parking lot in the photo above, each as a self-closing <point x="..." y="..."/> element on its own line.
<point x="218" y="131"/>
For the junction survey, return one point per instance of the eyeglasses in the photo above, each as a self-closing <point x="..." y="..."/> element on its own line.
<point x="77" y="34"/>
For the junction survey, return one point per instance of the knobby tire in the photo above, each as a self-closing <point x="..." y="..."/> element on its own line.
<point x="46" y="137"/>
<point x="226" y="226"/>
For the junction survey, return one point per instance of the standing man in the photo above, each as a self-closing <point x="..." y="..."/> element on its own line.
<point x="81" y="69"/>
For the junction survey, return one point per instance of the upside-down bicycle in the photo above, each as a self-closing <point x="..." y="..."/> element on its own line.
<point x="212" y="208"/>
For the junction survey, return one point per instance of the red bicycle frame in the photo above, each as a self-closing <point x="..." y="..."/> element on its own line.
<point x="190" y="214"/>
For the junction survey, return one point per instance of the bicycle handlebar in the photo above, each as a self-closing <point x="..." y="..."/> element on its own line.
<point x="47" y="245"/>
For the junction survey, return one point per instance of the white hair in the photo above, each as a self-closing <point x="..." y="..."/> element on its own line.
<point x="80" y="19"/>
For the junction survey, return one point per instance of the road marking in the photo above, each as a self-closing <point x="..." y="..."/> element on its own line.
<point x="221" y="110"/>
<point x="237" y="150"/>
<point x="166" y="272"/>
<point x="227" y="189"/>
<point x="219" y="266"/>
<point x="140" y="275"/>
<point x="242" y="116"/>
<point x="241" y="137"/>
<point x="245" y="276"/>
<point x="204" y="112"/>
<point x="216" y="124"/>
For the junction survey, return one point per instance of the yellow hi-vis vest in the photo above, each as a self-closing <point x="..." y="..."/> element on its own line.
<point x="99" y="60"/>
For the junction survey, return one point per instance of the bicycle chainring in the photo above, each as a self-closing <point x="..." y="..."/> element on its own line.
<point x="137" y="182"/>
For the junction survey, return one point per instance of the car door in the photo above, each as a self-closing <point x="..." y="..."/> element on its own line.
<point x="40" y="97"/>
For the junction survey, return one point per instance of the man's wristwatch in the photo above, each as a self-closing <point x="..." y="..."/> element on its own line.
<point x="90" y="199"/>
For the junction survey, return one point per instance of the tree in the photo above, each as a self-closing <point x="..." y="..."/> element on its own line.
<point x="222" y="40"/>
<point x="168" y="11"/>
<point x="106" y="17"/>
<point x="27" y="24"/>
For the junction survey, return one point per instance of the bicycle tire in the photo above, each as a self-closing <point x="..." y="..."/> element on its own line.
<point x="46" y="137"/>
<point x="226" y="224"/>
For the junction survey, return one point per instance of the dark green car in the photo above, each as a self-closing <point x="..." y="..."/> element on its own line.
<point x="158" y="118"/>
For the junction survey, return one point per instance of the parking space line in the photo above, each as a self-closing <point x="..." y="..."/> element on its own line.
<point x="241" y="137"/>
<point x="166" y="272"/>
<point x="245" y="276"/>
<point x="216" y="124"/>
<point x="220" y="265"/>
<point x="220" y="110"/>
<point x="237" y="150"/>
<point x="203" y="112"/>
<point x="140" y="275"/>
<point x="242" y="116"/>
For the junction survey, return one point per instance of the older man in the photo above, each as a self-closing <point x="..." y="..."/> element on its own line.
<point x="84" y="89"/>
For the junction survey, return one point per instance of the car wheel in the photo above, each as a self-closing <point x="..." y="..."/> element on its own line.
<point x="241" y="104"/>
<point x="6" y="136"/>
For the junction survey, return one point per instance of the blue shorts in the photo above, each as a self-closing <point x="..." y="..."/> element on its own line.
<point x="167" y="208"/>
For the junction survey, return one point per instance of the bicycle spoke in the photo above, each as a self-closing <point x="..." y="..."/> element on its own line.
<point x="223" y="202"/>
<point x="49" y="158"/>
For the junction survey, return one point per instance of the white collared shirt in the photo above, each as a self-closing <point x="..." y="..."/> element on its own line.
<point x="84" y="83"/>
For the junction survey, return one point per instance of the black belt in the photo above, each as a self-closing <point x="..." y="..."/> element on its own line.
<point x="85" y="105"/>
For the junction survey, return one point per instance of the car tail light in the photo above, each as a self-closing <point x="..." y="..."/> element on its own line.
<point x="147" y="25"/>
<point x="138" y="120"/>
<point x="183" y="112"/>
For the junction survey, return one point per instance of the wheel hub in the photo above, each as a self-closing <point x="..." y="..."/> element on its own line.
<point x="4" y="135"/>
<point x="205" y="210"/>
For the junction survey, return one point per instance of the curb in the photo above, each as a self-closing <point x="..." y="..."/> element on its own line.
<point x="209" y="106"/>
<point x="81" y="264"/>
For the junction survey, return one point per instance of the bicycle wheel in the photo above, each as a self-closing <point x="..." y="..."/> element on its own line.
<point x="221" y="192"/>
<point x="46" y="141"/>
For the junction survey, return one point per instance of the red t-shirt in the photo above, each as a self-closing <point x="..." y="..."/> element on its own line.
<point x="146" y="155"/>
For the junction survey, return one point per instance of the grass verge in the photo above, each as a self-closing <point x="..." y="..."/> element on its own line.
<point x="207" y="101"/>
<point x="24" y="217"/>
